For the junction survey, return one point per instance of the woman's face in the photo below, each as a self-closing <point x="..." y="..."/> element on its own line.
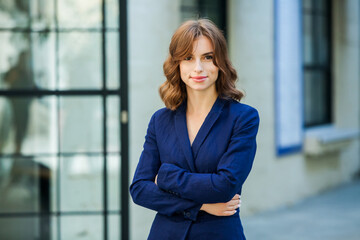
<point x="198" y="71"/>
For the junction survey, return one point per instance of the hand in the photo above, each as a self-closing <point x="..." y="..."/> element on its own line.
<point x="223" y="209"/>
<point x="155" y="179"/>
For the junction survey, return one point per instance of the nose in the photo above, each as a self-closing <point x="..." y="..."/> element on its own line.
<point x="198" y="66"/>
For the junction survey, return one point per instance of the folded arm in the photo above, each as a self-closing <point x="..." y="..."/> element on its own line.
<point x="146" y="193"/>
<point x="233" y="168"/>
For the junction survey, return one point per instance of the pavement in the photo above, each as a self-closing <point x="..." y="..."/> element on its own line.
<point x="332" y="215"/>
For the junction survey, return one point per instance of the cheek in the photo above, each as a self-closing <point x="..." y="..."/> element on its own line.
<point x="214" y="71"/>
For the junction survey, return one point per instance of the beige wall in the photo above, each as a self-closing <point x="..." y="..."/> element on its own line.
<point x="151" y="24"/>
<point x="278" y="181"/>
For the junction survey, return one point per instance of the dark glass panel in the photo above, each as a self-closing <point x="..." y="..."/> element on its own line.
<point x="20" y="228"/>
<point x="316" y="98"/>
<point x="80" y="60"/>
<point x="308" y="39"/>
<point x="81" y="124"/>
<point x="323" y="40"/>
<point x="25" y="184"/>
<point x="307" y="5"/>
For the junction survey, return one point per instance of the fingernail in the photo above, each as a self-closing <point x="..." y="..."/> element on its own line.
<point x="239" y="205"/>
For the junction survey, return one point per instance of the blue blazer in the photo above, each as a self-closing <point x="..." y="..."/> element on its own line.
<point x="212" y="170"/>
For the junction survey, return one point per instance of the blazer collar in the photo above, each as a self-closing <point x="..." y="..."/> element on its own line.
<point x="182" y="132"/>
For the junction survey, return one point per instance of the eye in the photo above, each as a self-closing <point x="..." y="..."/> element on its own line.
<point x="188" y="58"/>
<point x="209" y="57"/>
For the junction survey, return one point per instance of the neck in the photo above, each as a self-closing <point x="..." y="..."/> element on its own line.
<point x="200" y="102"/>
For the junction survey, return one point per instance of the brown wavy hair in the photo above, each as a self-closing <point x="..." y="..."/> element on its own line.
<point x="173" y="90"/>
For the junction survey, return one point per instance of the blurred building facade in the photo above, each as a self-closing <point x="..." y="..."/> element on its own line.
<point x="60" y="132"/>
<point x="320" y="94"/>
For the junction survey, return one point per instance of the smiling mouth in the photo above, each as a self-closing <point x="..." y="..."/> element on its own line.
<point x="199" y="78"/>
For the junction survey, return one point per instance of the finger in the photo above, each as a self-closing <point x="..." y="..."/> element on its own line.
<point x="234" y="202"/>
<point x="237" y="196"/>
<point x="229" y="212"/>
<point x="232" y="207"/>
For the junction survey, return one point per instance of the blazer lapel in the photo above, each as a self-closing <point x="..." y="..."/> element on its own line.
<point x="207" y="124"/>
<point x="182" y="134"/>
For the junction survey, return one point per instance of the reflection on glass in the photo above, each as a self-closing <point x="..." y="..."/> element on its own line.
<point x="25" y="184"/>
<point x="113" y="124"/>
<point x="28" y="125"/>
<point x="27" y="60"/>
<point x="14" y="13"/>
<point x="114" y="182"/>
<point x="114" y="227"/>
<point x="82" y="227"/>
<point x="81" y="124"/>
<point x="81" y="183"/>
<point x="20" y="13"/>
<point x="79" y="13"/>
<point x="43" y="59"/>
<point x="19" y="228"/>
<point x="80" y="60"/>
<point x="112" y="61"/>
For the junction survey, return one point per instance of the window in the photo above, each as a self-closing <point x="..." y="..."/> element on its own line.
<point x="60" y="134"/>
<point x="215" y="10"/>
<point x="317" y="62"/>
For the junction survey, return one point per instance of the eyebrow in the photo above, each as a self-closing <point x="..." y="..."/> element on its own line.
<point x="208" y="53"/>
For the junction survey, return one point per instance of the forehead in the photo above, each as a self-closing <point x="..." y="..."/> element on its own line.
<point x="202" y="45"/>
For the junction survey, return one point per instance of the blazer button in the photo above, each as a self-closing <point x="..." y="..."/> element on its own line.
<point x="187" y="214"/>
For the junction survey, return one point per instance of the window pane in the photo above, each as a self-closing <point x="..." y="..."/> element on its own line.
<point x="307" y="5"/>
<point x="42" y="14"/>
<point x="81" y="227"/>
<point x="112" y="60"/>
<point x="80" y="60"/>
<point x="81" y="183"/>
<point x="44" y="60"/>
<point x="25" y="184"/>
<point x="81" y="124"/>
<point x="20" y="228"/>
<point x="323" y="40"/>
<point x="114" y="227"/>
<point x="308" y="39"/>
<point x="27" y="60"/>
<point x="112" y="13"/>
<point x="114" y="182"/>
<point x="28" y="125"/>
<point x="316" y="98"/>
<point x="113" y="124"/>
<point x="19" y="185"/>
<point x="17" y="59"/>
<point x="14" y="13"/>
<point x="79" y="13"/>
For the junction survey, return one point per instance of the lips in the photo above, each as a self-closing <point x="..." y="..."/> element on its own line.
<point x="199" y="78"/>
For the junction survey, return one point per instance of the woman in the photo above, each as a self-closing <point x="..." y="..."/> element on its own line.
<point x="199" y="150"/>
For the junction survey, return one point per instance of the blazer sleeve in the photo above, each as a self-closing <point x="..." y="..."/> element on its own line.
<point x="232" y="170"/>
<point x="146" y="193"/>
